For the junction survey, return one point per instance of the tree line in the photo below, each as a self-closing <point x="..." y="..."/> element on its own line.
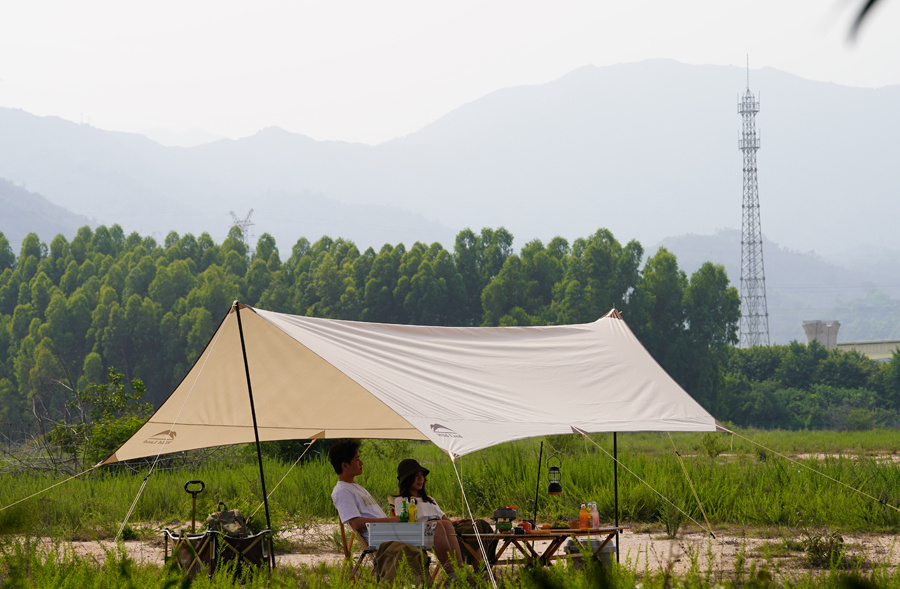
<point x="73" y="310"/>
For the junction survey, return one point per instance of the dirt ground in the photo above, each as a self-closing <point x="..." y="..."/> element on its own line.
<point x="642" y="549"/>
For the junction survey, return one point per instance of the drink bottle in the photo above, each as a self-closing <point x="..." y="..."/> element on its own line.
<point x="584" y="518"/>
<point x="595" y="515"/>
<point x="404" y="513"/>
<point x="413" y="511"/>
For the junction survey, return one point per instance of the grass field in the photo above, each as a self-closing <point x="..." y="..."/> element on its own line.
<point x="27" y="564"/>
<point x="738" y="482"/>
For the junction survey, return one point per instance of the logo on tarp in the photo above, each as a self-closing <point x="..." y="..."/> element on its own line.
<point x="444" y="431"/>
<point x="163" y="437"/>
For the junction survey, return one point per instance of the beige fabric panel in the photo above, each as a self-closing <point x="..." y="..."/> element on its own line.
<point x="296" y="395"/>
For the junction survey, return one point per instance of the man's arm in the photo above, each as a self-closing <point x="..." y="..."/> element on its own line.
<point x="359" y="523"/>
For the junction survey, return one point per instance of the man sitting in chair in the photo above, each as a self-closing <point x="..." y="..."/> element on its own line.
<point x="354" y="504"/>
<point x="356" y="507"/>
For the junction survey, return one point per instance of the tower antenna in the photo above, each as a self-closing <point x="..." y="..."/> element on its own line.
<point x="754" y="311"/>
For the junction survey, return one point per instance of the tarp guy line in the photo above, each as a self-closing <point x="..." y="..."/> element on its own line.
<point x="308" y="446"/>
<point x="74" y="476"/>
<point x="690" y="482"/>
<point x="663" y="497"/>
<point x="140" y="491"/>
<point x="484" y="555"/>
<point x="95" y="466"/>
<point x="863" y="493"/>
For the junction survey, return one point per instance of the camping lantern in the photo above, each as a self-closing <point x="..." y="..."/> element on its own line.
<point x="554" y="488"/>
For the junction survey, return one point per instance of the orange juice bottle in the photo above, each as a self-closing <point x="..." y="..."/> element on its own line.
<point x="584" y="518"/>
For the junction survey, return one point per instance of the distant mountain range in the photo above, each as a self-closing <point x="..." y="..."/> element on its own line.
<point x="805" y="286"/>
<point x="25" y="212"/>
<point x="648" y="150"/>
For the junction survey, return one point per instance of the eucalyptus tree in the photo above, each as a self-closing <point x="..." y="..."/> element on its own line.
<point x="656" y="311"/>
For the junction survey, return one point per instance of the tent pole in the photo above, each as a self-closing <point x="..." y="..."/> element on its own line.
<point x="538" y="486"/>
<point x="262" y="477"/>
<point x="616" y="486"/>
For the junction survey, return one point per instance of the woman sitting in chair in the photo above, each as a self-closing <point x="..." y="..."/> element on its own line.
<point x="412" y="477"/>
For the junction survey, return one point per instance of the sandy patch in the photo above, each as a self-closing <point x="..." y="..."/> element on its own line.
<point x="643" y="550"/>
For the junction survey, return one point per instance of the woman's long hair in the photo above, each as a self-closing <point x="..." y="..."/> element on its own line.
<point x="405" y="485"/>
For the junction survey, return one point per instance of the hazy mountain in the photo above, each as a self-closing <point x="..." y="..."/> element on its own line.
<point x="143" y="186"/>
<point x="647" y="149"/>
<point x="186" y="138"/>
<point x="25" y="212"/>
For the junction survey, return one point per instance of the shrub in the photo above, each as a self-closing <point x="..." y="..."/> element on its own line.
<point x="825" y="550"/>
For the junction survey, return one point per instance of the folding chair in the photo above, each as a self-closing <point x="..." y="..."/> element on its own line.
<point x="347" y="545"/>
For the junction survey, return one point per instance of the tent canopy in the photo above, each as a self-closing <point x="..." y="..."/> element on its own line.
<point x="464" y="388"/>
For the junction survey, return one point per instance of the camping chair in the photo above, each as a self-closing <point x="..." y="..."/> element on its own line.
<point x="347" y="545"/>
<point x="210" y="550"/>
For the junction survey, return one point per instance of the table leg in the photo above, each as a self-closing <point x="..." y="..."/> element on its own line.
<point x="551" y="549"/>
<point x="603" y="544"/>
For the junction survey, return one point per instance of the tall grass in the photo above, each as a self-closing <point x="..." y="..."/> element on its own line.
<point x="27" y="564"/>
<point x="741" y="485"/>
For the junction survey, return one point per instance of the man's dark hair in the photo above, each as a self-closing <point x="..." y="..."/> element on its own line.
<point x="342" y="452"/>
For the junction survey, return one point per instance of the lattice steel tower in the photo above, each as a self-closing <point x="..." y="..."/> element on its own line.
<point x="244" y="225"/>
<point x="754" y="312"/>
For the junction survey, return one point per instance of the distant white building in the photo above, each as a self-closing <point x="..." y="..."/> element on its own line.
<point x="824" y="332"/>
<point x="880" y="350"/>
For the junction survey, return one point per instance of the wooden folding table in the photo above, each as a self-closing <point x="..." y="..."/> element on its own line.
<point x="531" y="546"/>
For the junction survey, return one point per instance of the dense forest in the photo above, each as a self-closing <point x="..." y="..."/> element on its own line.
<point x="72" y="310"/>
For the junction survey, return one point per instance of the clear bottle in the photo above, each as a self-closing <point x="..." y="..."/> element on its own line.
<point x="404" y="513"/>
<point x="413" y="511"/>
<point x="584" y="518"/>
<point x="595" y="515"/>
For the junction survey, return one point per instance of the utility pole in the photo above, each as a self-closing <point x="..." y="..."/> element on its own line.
<point x="754" y="311"/>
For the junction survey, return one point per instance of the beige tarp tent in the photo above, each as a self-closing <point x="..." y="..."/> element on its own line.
<point x="464" y="388"/>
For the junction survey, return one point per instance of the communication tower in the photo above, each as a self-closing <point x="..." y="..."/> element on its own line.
<point x="244" y="225"/>
<point x="754" y="311"/>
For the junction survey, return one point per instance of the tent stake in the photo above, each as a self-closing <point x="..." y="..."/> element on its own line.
<point x="616" y="486"/>
<point x="262" y="477"/>
<point x="538" y="486"/>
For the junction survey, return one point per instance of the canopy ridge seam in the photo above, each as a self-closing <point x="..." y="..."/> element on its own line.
<point x="474" y="527"/>
<point x="691" y="484"/>
<point x="632" y="473"/>
<point x="163" y="447"/>
<point x="831" y="478"/>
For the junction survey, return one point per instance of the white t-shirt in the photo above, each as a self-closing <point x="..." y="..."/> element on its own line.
<point x="352" y="500"/>
<point x="424" y="510"/>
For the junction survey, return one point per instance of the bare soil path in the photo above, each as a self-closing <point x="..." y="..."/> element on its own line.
<point x="644" y="549"/>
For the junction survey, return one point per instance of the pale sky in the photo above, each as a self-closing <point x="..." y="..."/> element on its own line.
<point x="371" y="71"/>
